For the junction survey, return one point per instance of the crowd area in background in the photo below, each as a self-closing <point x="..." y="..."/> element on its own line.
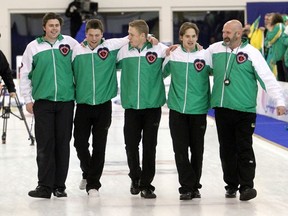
<point x="272" y="41"/>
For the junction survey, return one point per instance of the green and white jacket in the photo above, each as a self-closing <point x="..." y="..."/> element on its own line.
<point x="46" y="71"/>
<point x="189" y="90"/>
<point x="95" y="71"/>
<point x="243" y="66"/>
<point x="142" y="83"/>
<point x="284" y="40"/>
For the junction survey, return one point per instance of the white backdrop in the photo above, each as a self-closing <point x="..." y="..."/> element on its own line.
<point x="266" y="105"/>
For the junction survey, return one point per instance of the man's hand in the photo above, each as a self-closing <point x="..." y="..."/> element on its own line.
<point x="29" y="107"/>
<point x="83" y="43"/>
<point x="281" y="110"/>
<point x="171" y="49"/>
<point x="199" y="47"/>
<point x="152" y="40"/>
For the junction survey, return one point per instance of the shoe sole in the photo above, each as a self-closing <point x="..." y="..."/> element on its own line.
<point x="60" y="196"/>
<point x="93" y="195"/>
<point x="186" y="198"/>
<point x="41" y="197"/>
<point x="248" y="196"/>
<point x="230" y="196"/>
<point x="134" y="192"/>
<point x="148" y="197"/>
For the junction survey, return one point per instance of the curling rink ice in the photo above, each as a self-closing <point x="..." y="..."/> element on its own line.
<point x="19" y="175"/>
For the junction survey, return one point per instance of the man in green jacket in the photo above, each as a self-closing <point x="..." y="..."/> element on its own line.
<point x="237" y="66"/>
<point x="94" y="66"/>
<point x="188" y="101"/>
<point x="47" y="87"/>
<point x="142" y="96"/>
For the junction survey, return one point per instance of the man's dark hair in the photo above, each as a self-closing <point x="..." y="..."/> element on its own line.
<point x="49" y="16"/>
<point x="94" y="24"/>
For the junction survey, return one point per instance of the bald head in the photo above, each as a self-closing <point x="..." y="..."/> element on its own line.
<point x="236" y="25"/>
<point x="232" y="33"/>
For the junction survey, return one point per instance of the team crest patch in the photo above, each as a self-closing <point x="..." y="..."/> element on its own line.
<point x="64" y="49"/>
<point x="103" y="53"/>
<point x="151" y="57"/>
<point x="199" y="64"/>
<point x="241" y="57"/>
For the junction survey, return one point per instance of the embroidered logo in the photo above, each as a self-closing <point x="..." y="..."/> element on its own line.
<point x="64" y="49"/>
<point x="199" y="64"/>
<point x="151" y="57"/>
<point x="241" y="57"/>
<point x="103" y="53"/>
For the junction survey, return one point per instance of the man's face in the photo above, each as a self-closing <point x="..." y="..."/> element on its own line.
<point x="189" y="39"/>
<point x="229" y="35"/>
<point x="135" y="38"/>
<point x="93" y="37"/>
<point x="52" y="29"/>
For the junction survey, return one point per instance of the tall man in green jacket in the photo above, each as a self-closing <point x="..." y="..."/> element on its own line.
<point x="237" y="66"/>
<point x="48" y="89"/>
<point x="142" y="96"/>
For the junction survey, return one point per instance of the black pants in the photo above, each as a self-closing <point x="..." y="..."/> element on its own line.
<point x="285" y="68"/>
<point x="187" y="131"/>
<point x="97" y="119"/>
<point x="235" y="130"/>
<point x="53" y="130"/>
<point x="281" y="73"/>
<point x="142" y="123"/>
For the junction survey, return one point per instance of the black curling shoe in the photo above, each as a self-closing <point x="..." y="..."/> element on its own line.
<point x="148" y="194"/>
<point x="196" y="194"/>
<point x="230" y="193"/>
<point x="59" y="192"/>
<point x="134" y="188"/>
<point x="41" y="192"/>
<point x="186" y="196"/>
<point x="247" y="194"/>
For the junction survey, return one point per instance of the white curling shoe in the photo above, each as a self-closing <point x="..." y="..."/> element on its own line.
<point x="82" y="185"/>
<point x="93" y="193"/>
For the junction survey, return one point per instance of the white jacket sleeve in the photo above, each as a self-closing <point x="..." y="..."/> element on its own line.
<point x="25" y="82"/>
<point x="267" y="79"/>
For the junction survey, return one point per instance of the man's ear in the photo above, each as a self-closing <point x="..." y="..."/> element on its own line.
<point x="143" y="35"/>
